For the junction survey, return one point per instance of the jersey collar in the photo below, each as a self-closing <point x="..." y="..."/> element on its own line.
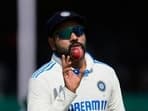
<point x="89" y="62"/>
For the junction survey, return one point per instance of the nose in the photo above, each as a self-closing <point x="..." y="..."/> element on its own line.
<point x="73" y="37"/>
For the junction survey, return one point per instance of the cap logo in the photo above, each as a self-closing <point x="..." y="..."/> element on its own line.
<point x="65" y="14"/>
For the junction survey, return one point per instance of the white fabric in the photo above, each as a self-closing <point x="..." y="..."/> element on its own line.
<point x="99" y="89"/>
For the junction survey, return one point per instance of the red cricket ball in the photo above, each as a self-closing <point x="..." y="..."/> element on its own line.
<point x="76" y="52"/>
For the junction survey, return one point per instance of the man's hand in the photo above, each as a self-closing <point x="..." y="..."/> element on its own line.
<point x="71" y="79"/>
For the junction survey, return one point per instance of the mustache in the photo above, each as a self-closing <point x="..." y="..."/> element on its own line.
<point x="60" y="51"/>
<point x="74" y="44"/>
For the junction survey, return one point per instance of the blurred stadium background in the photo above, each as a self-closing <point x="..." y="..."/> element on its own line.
<point x="117" y="35"/>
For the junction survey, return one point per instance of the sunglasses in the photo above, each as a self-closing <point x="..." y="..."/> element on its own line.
<point x="66" y="32"/>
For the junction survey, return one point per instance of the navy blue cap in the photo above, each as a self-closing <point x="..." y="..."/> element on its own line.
<point x="62" y="16"/>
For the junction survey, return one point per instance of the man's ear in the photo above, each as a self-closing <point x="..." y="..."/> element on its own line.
<point x="51" y="42"/>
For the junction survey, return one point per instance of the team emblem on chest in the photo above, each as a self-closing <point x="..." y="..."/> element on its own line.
<point x="101" y="85"/>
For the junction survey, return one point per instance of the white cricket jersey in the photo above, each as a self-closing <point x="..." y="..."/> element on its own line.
<point x="99" y="89"/>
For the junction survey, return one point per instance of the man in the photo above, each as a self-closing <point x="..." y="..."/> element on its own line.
<point x="72" y="80"/>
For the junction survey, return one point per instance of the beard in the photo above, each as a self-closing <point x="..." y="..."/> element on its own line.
<point x="61" y="51"/>
<point x="66" y="51"/>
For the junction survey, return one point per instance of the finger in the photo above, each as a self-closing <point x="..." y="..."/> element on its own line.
<point x="67" y="60"/>
<point x="63" y="60"/>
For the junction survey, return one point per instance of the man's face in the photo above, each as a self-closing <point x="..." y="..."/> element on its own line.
<point x="68" y="35"/>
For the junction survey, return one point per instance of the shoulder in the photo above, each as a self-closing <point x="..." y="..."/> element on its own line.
<point x="44" y="69"/>
<point x="105" y="68"/>
<point x="98" y="65"/>
<point x="107" y="72"/>
<point x="103" y="65"/>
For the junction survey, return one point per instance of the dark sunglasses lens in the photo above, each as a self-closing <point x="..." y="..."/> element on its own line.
<point x="65" y="34"/>
<point x="78" y="30"/>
